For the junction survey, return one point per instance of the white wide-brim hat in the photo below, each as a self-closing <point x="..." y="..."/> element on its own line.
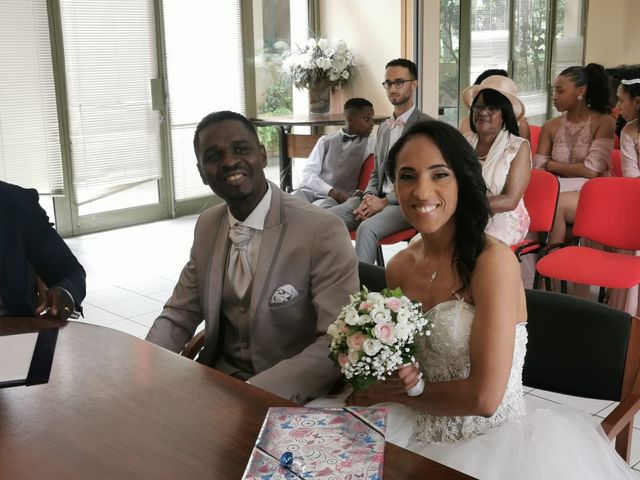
<point x="501" y="84"/>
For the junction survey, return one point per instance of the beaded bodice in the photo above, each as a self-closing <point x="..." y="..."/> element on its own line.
<point x="444" y="355"/>
<point x="572" y="141"/>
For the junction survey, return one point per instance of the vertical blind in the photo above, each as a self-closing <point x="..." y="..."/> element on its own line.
<point x="29" y="138"/>
<point x="205" y="74"/>
<point x="110" y="57"/>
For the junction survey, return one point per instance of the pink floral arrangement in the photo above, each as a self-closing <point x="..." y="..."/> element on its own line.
<point x="375" y="334"/>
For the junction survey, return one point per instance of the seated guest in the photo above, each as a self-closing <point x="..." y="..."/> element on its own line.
<point x="31" y="249"/>
<point x="577" y="145"/>
<point x="376" y="214"/>
<point x="505" y="157"/>
<point x="629" y="105"/>
<point x="523" y="125"/>
<point x="268" y="272"/>
<point x="331" y="173"/>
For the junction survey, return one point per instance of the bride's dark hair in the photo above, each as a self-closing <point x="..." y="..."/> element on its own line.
<point x="472" y="211"/>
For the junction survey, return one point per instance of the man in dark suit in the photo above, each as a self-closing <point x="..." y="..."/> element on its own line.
<point x="376" y="214"/>
<point x="30" y="248"/>
<point x="268" y="272"/>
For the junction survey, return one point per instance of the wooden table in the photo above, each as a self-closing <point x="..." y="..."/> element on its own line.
<point x="117" y="407"/>
<point x="286" y="122"/>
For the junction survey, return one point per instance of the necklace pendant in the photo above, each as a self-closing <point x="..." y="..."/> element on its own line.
<point x="434" y="275"/>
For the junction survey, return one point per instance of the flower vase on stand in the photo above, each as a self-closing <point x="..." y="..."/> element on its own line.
<point x="320" y="96"/>
<point x="337" y="101"/>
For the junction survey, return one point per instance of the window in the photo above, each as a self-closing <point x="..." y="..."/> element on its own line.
<point x="29" y="137"/>
<point x="205" y="73"/>
<point x="110" y="58"/>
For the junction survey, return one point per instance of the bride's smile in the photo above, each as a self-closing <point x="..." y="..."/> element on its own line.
<point x="426" y="186"/>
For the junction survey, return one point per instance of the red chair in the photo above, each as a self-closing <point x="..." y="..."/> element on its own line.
<point x="534" y="132"/>
<point x="404" y="235"/>
<point x="365" y="172"/>
<point x="541" y="200"/>
<point x="616" y="163"/>
<point x="608" y="213"/>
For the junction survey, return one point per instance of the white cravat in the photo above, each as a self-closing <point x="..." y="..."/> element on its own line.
<point x="239" y="269"/>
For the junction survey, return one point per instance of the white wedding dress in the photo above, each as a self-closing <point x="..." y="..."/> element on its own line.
<point x="511" y="444"/>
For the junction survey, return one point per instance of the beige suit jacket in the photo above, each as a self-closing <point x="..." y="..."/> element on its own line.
<point x="303" y="246"/>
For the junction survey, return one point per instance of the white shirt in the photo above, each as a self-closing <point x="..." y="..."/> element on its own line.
<point x="394" y="135"/>
<point x="311" y="173"/>
<point x="255" y="221"/>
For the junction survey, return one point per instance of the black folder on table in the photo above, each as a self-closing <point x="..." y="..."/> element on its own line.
<point x="39" y="367"/>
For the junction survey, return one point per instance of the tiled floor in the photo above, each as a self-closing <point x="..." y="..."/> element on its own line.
<point x="132" y="271"/>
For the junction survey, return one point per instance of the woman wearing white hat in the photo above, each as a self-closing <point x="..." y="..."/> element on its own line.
<point x="505" y="156"/>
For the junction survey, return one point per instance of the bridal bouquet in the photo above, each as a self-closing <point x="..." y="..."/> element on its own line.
<point x="319" y="60"/>
<point x="375" y="334"/>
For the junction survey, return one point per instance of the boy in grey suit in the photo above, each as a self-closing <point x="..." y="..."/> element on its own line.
<point x="377" y="214"/>
<point x="268" y="272"/>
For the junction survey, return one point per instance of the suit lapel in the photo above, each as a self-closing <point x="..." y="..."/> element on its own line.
<point x="272" y="236"/>
<point x="217" y="266"/>
<point x="386" y="133"/>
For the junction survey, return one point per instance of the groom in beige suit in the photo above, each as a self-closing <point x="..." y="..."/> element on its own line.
<point x="268" y="272"/>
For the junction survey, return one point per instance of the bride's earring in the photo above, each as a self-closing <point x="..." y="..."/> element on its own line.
<point x="580" y="98"/>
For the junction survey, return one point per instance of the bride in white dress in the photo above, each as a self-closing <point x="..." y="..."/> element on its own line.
<point x="472" y="414"/>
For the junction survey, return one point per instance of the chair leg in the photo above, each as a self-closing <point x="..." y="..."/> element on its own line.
<point x="380" y="256"/>
<point x="563" y="286"/>
<point x="536" y="281"/>
<point x="547" y="284"/>
<point x="623" y="443"/>
<point x="601" y="294"/>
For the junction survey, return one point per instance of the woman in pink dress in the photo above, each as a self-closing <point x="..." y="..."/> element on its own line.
<point x="577" y="145"/>
<point x="629" y="104"/>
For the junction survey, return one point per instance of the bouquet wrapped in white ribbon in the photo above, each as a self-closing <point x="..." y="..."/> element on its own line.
<point x="375" y="334"/>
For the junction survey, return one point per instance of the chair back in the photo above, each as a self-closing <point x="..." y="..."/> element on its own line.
<point x="534" y="133"/>
<point x="372" y="277"/>
<point x="608" y="212"/>
<point x="616" y="163"/>
<point x="541" y="199"/>
<point x="365" y="172"/>
<point x="300" y="145"/>
<point x="577" y="347"/>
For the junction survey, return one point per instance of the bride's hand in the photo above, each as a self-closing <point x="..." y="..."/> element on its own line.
<point x="389" y="390"/>
<point x="409" y="375"/>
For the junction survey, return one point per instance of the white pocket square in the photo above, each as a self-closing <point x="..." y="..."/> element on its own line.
<point x="284" y="294"/>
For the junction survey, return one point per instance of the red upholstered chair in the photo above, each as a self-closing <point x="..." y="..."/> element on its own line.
<point x="534" y="132"/>
<point x="404" y="235"/>
<point x="616" y="163"/>
<point x="541" y="200"/>
<point x="365" y="172"/>
<point x="608" y="213"/>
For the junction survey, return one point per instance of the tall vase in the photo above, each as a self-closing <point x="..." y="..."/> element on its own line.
<point x="320" y="96"/>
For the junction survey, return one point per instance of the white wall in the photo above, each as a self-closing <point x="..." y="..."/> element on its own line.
<point x="372" y="29"/>
<point x="613" y="32"/>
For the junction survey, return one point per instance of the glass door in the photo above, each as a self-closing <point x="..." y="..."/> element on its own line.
<point x="114" y="133"/>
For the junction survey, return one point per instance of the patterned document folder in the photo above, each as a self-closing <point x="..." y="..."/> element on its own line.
<point x="324" y="443"/>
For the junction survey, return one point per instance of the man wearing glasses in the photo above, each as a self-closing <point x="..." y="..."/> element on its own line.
<point x="376" y="213"/>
